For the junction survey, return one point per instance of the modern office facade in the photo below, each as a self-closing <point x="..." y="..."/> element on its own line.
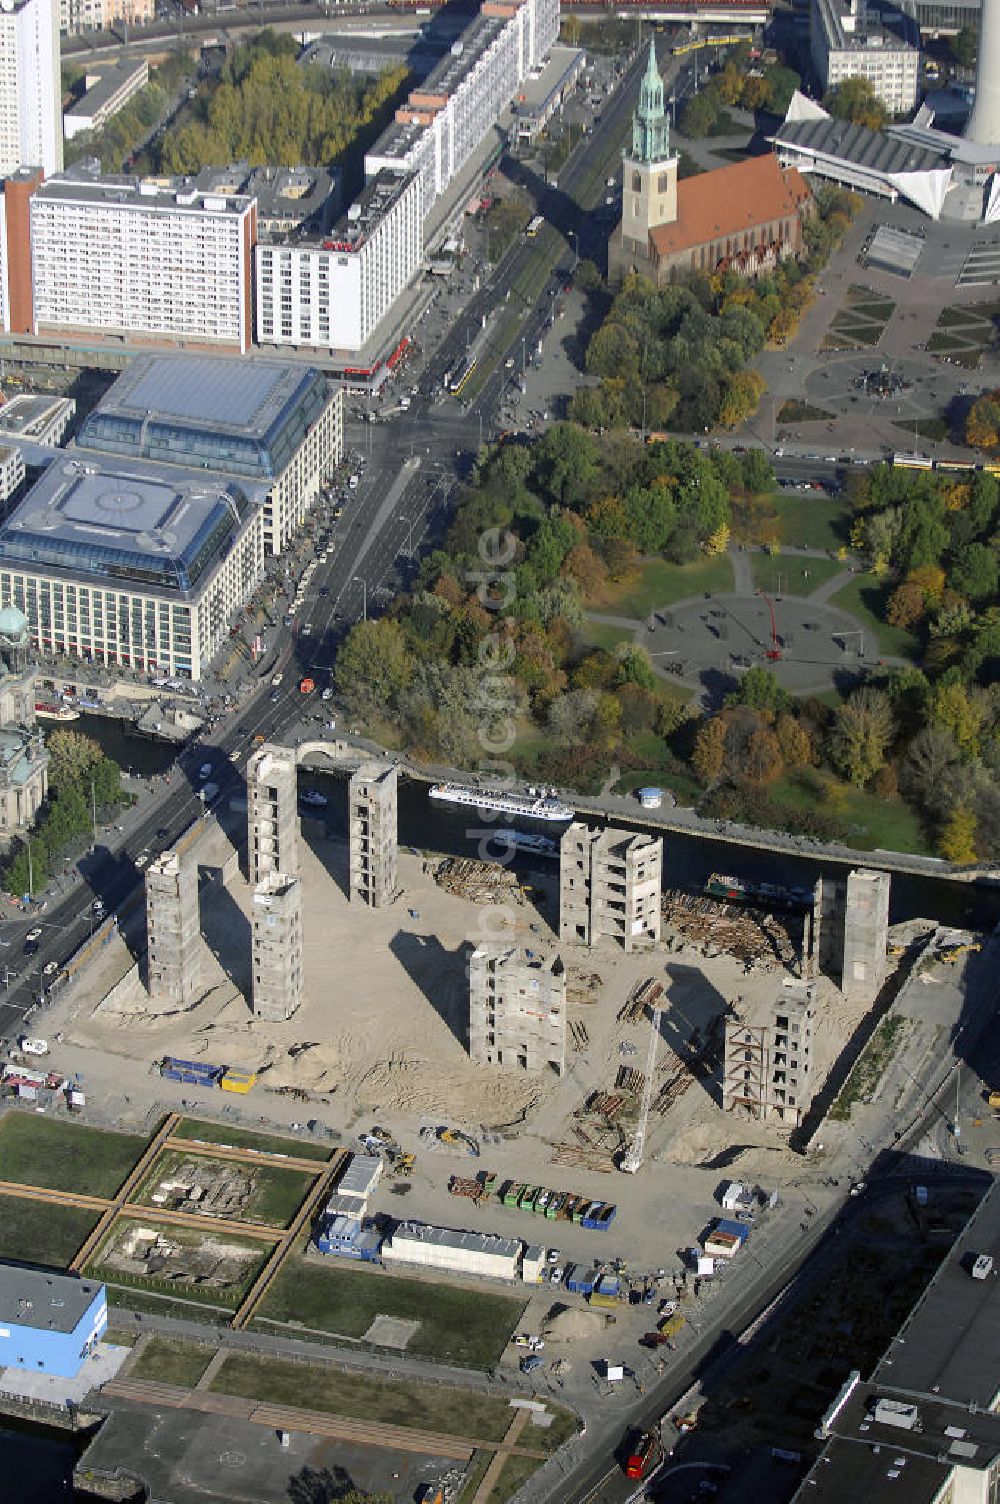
<point x="332" y="291"/>
<point x="444" y="120"/>
<point x="271" y="422"/>
<point x="122" y="562"/>
<point x="853" y="39"/>
<point x="30" y="86"/>
<point x="138" y="261"/>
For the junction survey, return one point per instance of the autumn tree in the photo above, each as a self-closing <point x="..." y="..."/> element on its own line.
<point x="854" y="99"/>
<point x="982" y="424"/>
<point x="709" y="752"/>
<point x="956" y="710"/>
<point x="957" y="840"/>
<point x="906" y="605"/>
<point x="862" y="730"/>
<point x="762" y="762"/>
<point x="794" y="741"/>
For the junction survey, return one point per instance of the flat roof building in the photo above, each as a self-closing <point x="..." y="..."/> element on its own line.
<point x="485" y="1254"/>
<point x="858" y="39"/>
<point x="107" y="90"/>
<point x="925" y="1427"/>
<point x="43" y="420"/>
<point x="451" y="113"/>
<point x="141" y="261"/>
<point x="288" y="198"/>
<point x="123" y="562"/>
<point x="331" y="292"/>
<point x="271" y="422"/>
<point x="49" y="1322"/>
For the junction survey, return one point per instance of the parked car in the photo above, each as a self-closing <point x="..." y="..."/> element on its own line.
<point x="530" y="1364"/>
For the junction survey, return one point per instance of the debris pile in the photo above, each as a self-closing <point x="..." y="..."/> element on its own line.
<point x="479" y="882"/>
<point x="645" y="994"/>
<point x="751" y="935"/>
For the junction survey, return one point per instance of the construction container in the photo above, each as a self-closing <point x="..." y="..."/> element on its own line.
<point x="580" y="1280"/>
<point x="601" y="1219"/>
<point x="605" y="1302"/>
<point x="541" y="1202"/>
<point x="191" y="1072"/>
<point x="532" y="1264"/>
<point x="670" y="1326"/>
<point x="581" y="1209"/>
<point x="527" y="1200"/>
<point x="568" y="1207"/>
<point x="490" y="1183"/>
<point x="237" y="1080"/>
<point x="556" y="1202"/>
<point x="513" y="1193"/>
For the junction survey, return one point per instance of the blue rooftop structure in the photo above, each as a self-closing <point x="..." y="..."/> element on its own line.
<point x="244" y="417"/>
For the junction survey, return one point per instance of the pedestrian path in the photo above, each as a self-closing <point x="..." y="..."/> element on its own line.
<point x="492" y="1473"/>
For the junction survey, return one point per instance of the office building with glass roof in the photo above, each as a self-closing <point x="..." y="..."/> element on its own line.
<point x="125" y="562"/>
<point x="276" y="423"/>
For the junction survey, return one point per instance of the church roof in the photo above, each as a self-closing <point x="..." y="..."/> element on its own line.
<point x="729" y="201"/>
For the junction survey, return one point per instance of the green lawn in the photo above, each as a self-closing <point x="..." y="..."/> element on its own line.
<point x="172" y="1362"/>
<point x="431" y="1407"/>
<point x="65" y="1156"/>
<point x="276" y="1196"/>
<point x="468" y="1327"/>
<point x="245" y="1138"/>
<point x="659" y="583"/>
<point x="515" y="1471"/>
<point x="865" y="598"/>
<point x="789" y="575"/>
<point x="811" y="521"/>
<point x="37" y="1232"/>
<point x="600" y="634"/>
<point x="872" y="823"/>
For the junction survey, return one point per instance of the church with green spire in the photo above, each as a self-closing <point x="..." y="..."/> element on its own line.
<point x="745" y="217"/>
<point x="650" y="126"/>
<point x="649" y="175"/>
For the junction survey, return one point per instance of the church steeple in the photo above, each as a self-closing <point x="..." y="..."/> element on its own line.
<point x="650" y="126"/>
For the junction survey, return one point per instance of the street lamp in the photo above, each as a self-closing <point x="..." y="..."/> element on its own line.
<point x="357" y="580"/>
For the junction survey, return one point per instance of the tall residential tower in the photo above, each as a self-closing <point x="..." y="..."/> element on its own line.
<point x="30" y="87"/>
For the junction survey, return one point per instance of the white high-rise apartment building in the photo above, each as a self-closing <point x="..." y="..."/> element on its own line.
<point x="30" y="87"/>
<point x="450" y="114"/>
<point x="332" y="291"/>
<point x="157" y="261"/>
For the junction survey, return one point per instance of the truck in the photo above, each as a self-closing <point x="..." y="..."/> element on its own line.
<point x="643" y="1454"/>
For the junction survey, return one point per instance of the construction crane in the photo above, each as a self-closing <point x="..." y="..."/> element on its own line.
<point x="632" y="1158"/>
<point x="773" y="653"/>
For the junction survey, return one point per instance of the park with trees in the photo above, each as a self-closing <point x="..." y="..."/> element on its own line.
<point x="516" y="656"/>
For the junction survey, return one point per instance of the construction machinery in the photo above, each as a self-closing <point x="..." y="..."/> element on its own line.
<point x="632" y="1157"/>
<point x="773" y="653"/>
<point x="952" y="953"/>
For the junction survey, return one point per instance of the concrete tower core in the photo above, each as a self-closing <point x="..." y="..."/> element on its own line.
<point x="173" y="929"/>
<point x="272" y="813"/>
<point x="984" y="122"/>
<point x="371" y="823"/>
<point x="277" y="947"/>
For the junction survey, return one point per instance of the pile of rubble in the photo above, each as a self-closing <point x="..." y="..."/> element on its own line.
<point x="479" y="882"/>
<point x="751" y="935"/>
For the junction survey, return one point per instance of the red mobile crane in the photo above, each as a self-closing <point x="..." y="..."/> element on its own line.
<point x="773" y="653"/>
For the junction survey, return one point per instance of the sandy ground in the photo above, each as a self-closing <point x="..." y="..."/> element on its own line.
<point x="381" y="1038"/>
